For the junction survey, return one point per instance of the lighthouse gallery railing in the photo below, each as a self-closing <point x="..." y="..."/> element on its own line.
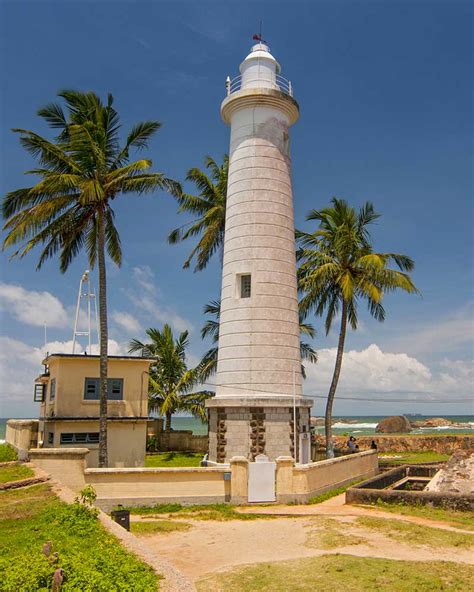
<point x="279" y="83"/>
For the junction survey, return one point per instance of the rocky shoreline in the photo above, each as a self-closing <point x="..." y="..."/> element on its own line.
<point x="433" y="422"/>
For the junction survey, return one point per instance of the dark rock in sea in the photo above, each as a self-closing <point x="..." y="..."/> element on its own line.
<point x="396" y="424"/>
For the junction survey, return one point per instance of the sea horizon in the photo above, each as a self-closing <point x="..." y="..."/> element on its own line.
<point x="342" y="424"/>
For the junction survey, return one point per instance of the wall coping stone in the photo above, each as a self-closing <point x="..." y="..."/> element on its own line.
<point x="153" y="470"/>
<point x="332" y="461"/>
<point x="21" y="422"/>
<point x="65" y="452"/>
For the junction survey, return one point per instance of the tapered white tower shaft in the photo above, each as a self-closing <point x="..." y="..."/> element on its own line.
<point x="258" y="407"/>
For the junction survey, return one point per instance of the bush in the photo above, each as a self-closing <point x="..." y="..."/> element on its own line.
<point x="7" y="453"/>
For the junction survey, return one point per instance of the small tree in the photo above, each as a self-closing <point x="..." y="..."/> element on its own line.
<point x="171" y="383"/>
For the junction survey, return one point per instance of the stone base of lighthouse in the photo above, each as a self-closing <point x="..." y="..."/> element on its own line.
<point x="248" y="426"/>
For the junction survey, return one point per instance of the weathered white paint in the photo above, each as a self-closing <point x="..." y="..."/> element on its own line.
<point x="259" y="344"/>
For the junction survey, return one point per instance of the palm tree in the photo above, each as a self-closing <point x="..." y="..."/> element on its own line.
<point x="69" y="208"/>
<point x="208" y="207"/>
<point x="338" y="269"/>
<point x="170" y="380"/>
<point x="208" y="365"/>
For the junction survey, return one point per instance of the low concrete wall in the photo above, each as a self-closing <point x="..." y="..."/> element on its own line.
<point x="299" y="483"/>
<point x="66" y="465"/>
<point x="22" y="434"/>
<point x="444" y="444"/>
<point x="145" y="487"/>
<point x="373" y="490"/>
<point x="182" y="441"/>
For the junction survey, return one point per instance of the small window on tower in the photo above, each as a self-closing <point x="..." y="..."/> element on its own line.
<point x="245" y="285"/>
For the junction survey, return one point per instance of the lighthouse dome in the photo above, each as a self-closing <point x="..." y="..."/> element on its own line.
<point x="260" y="68"/>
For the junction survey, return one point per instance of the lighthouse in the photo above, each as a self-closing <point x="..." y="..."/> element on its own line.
<point x="259" y="408"/>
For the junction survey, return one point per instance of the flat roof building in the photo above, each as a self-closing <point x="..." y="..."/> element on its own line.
<point x="68" y="391"/>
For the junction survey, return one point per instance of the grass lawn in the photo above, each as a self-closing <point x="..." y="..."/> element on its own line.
<point x="455" y="518"/>
<point x="158" y="526"/>
<point x="219" y="512"/>
<point x="402" y="458"/>
<point x="7" y="453"/>
<point x="14" y="473"/>
<point x="335" y="573"/>
<point x="173" y="459"/>
<point x="416" y="534"/>
<point x="93" y="560"/>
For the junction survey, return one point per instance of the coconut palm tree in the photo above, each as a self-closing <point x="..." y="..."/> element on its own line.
<point x="170" y="380"/>
<point x="209" y="210"/>
<point x="338" y="269"/>
<point x="208" y="365"/>
<point x="69" y="208"/>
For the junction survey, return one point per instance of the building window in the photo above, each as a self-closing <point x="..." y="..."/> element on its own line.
<point x="40" y="391"/>
<point x="114" y="389"/>
<point x="245" y="285"/>
<point x="80" y="438"/>
<point x="50" y="438"/>
<point x="52" y="389"/>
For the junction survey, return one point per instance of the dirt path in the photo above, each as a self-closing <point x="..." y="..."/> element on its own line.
<point x="211" y="546"/>
<point x="336" y="506"/>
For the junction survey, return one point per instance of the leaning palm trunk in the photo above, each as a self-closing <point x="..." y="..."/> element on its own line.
<point x="103" y="453"/>
<point x="335" y="380"/>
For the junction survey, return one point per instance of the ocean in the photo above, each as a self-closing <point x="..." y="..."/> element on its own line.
<point x="357" y="425"/>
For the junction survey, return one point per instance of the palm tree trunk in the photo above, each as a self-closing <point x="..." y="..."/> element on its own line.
<point x="103" y="454"/>
<point x="335" y="380"/>
<point x="168" y="423"/>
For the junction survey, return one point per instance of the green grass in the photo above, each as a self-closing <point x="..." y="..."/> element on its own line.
<point x="327" y="533"/>
<point x="93" y="560"/>
<point x="334" y="573"/>
<point x="459" y="519"/>
<point x="14" y="473"/>
<point x="331" y="493"/>
<point x="402" y="458"/>
<point x="7" y="453"/>
<point x="219" y="512"/>
<point x="415" y="534"/>
<point x="158" y="527"/>
<point x="173" y="459"/>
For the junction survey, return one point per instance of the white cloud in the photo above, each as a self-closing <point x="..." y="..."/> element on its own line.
<point x="375" y="372"/>
<point x="444" y="335"/>
<point x="32" y="308"/>
<point x="127" y="322"/>
<point x="146" y="300"/>
<point x="20" y="364"/>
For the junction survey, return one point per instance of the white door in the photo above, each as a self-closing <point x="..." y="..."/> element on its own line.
<point x="261" y="485"/>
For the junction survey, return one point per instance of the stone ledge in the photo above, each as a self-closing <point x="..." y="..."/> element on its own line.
<point x="251" y="401"/>
<point x="45" y="452"/>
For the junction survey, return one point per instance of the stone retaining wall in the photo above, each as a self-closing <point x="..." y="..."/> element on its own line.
<point x="443" y="444"/>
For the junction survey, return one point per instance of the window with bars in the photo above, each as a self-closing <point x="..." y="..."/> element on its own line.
<point x="245" y="285"/>
<point x="80" y="438"/>
<point x="114" y="389"/>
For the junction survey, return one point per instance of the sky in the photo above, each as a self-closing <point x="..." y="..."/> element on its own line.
<point x="385" y="91"/>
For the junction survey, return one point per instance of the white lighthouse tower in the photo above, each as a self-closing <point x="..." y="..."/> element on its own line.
<point x="258" y="381"/>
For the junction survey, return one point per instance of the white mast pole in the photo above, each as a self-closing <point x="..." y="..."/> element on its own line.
<point x="89" y="296"/>
<point x="77" y="316"/>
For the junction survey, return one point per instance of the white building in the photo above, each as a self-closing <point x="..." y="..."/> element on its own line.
<point x="259" y="390"/>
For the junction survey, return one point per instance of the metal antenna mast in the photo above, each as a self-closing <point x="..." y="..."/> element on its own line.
<point x="85" y="291"/>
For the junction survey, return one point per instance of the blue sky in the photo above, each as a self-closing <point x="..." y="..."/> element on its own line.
<point x="385" y="90"/>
